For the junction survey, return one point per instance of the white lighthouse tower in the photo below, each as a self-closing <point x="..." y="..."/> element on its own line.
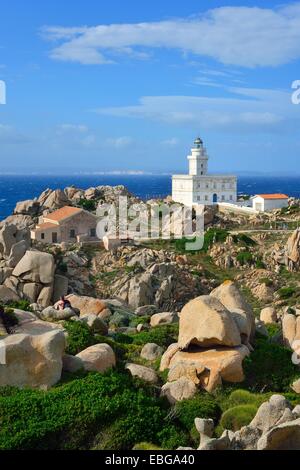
<point x="198" y="159"/>
<point x="199" y="186"/>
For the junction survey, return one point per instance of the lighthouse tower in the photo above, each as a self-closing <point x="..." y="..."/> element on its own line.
<point x="200" y="187"/>
<point x="198" y="159"/>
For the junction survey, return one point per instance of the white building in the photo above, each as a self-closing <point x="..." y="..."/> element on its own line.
<point x="268" y="202"/>
<point x="199" y="187"/>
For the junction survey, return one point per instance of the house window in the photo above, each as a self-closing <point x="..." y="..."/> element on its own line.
<point x="198" y="198"/>
<point x="93" y="232"/>
<point x="72" y="233"/>
<point x="206" y="198"/>
<point x="223" y="186"/>
<point x="207" y="185"/>
<point x="231" y="197"/>
<point x="42" y="236"/>
<point x="223" y="197"/>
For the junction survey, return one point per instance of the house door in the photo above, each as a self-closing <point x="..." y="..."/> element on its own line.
<point x="54" y="237"/>
<point x="215" y="198"/>
<point x="258" y="206"/>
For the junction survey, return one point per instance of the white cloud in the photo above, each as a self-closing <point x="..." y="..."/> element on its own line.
<point x="242" y="110"/>
<point x="243" y="36"/>
<point x="119" y="142"/>
<point x="78" y="128"/>
<point x="9" y="135"/>
<point x="171" y="142"/>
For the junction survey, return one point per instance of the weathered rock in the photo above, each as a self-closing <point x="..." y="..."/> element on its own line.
<point x="50" y="313"/>
<point x="217" y="364"/>
<point x="285" y="436"/>
<point x="263" y="292"/>
<point x="290" y="329"/>
<point x="204" y="321"/>
<point x="30" y="207"/>
<point x="72" y="363"/>
<point x="296" y="386"/>
<point x="270" y="413"/>
<point x="145" y="310"/>
<point x="60" y="287"/>
<point x="191" y="371"/>
<point x="99" y="357"/>
<point x="105" y="314"/>
<point x="56" y="199"/>
<point x="36" y="266"/>
<point x="95" y="323"/>
<point x="229" y="295"/>
<point x="144" y="373"/>
<point x="268" y="315"/>
<point x="31" y="291"/>
<point x="29" y="324"/>
<point x="163" y="318"/>
<point x="181" y="389"/>
<point x="45" y="296"/>
<point x="151" y="351"/>
<point x="17" y="252"/>
<point x="33" y="361"/>
<point x="7" y="295"/>
<point x="86" y="305"/>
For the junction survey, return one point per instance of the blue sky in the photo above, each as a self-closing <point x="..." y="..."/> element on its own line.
<point x="108" y="86"/>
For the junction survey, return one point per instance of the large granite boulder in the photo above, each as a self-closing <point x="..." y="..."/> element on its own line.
<point x="30" y="207"/>
<point x="56" y="199"/>
<point x="205" y="322"/>
<point x="36" y="266"/>
<point x="32" y="360"/>
<point x="230" y="296"/>
<point x="292" y="251"/>
<point x="144" y="373"/>
<point x="99" y="357"/>
<point x="181" y="389"/>
<point x="86" y="305"/>
<point x="291" y="330"/>
<point x="207" y="367"/>
<point x="268" y="315"/>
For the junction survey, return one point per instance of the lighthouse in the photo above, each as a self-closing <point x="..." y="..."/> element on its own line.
<point x="199" y="186"/>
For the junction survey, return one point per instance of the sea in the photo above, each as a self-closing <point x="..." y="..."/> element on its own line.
<point x="15" y="188"/>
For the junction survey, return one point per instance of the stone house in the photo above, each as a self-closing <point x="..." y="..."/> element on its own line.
<point x="68" y="224"/>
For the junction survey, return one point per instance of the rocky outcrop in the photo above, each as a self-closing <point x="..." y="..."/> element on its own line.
<point x="86" y="305"/>
<point x="276" y="426"/>
<point x="163" y="318"/>
<point x="32" y="360"/>
<point x="292" y="251"/>
<point x="205" y="322"/>
<point x="211" y="331"/>
<point x="206" y="367"/>
<point x="291" y="330"/>
<point x="268" y="315"/>
<point x="144" y="373"/>
<point x="178" y="390"/>
<point x="151" y="351"/>
<point x="98" y="358"/>
<point x="230" y="296"/>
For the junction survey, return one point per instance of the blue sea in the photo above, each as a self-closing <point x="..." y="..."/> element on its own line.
<point x="19" y="188"/>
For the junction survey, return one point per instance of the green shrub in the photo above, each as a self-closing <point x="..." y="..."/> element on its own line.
<point x="137" y="320"/>
<point x="87" y="204"/>
<point x="273" y="329"/>
<point x="244" y="397"/>
<point x="201" y="406"/>
<point x="109" y="406"/>
<point x="20" y="304"/>
<point x="285" y="293"/>
<point x="244" y="257"/>
<point x="265" y="280"/>
<point x="245" y="239"/>
<point x="79" y="337"/>
<point x="269" y="367"/>
<point x="161" y="335"/>
<point x="237" y="417"/>
<point x="146" y="446"/>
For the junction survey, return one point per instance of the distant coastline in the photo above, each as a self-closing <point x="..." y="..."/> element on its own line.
<point x="15" y="188"/>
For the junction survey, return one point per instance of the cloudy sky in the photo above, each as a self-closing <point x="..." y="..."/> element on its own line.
<point x="126" y="85"/>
